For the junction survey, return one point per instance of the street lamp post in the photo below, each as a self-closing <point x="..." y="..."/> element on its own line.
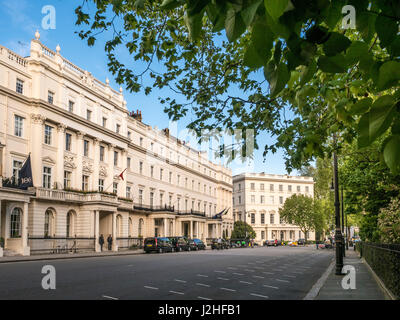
<point x="343" y="234"/>
<point x="338" y="233"/>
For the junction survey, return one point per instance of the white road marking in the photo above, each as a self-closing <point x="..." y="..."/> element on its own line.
<point x="249" y="270"/>
<point x="152" y="288"/>
<point x="226" y="289"/>
<point x="259" y="295"/>
<point x="176" y="292"/>
<point x="203" y="285"/>
<point x="259" y="268"/>
<point x="282" y="280"/>
<point x="183" y="281"/>
<point x="238" y="274"/>
<point x="259" y="277"/>
<point x="246" y="282"/>
<point x="250" y="263"/>
<point x="111" y="298"/>
<point x="232" y="268"/>
<point x="268" y="272"/>
<point x="286" y="275"/>
<point x="220" y="271"/>
<point x="202" y="298"/>
<point x="225" y="279"/>
<point x="202" y="275"/>
<point x="265" y="285"/>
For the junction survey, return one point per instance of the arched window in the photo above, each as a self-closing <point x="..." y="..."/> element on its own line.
<point x="140" y="231"/>
<point x="70" y="224"/>
<point x="15" y="223"/>
<point x="48" y="223"/>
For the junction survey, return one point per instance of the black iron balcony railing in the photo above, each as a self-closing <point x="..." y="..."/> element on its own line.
<point x="151" y="208"/>
<point x="191" y="213"/>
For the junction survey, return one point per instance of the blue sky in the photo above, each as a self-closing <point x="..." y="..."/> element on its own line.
<point x="22" y="18"/>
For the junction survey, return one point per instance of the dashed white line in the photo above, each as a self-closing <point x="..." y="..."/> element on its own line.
<point x="182" y="281"/>
<point x="259" y="295"/>
<point x="238" y="274"/>
<point x="111" y="298"/>
<point x="231" y="268"/>
<point x="249" y="270"/>
<point x="225" y="279"/>
<point x="176" y="292"/>
<point x="246" y="282"/>
<point x="226" y="289"/>
<point x="286" y="275"/>
<point x="268" y="272"/>
<point x="258" y="277"/>
<point x="220" y="271"/>
<point x="202" y="285"/>
<point x="152" y="288"/>
<point x="202" y="298"/>
<point x="267" y="286"/>
<point x="282" y="280"/>
<point x="202" y="275"/>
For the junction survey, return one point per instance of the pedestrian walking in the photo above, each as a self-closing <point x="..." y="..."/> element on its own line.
<point x="316" y="243"/>
<point x="101" y="242"/>
<point x="109" y="241"/>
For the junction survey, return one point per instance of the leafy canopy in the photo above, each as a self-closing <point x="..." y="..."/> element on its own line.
<point x="242" y="230"/>
<point x="288" y="67"/>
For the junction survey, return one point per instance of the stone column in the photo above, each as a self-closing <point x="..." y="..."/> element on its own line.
<point x="110" y="175"/>
<point x="124" y="159"/>
<point x="96" y="164"/>
<point x="60" y="155"/>
<point x="96" y="230"/>
<point x="36" y="143"/>
<point x="114" y="232"/>
<point x="1" y="249"/>
<point x="165" y="222"/>
<point x="25" y="248"/>
<point x="79" y="152"/>
<point x="191" y="229"/>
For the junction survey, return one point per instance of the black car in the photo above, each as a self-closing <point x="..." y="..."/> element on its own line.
<point x="301" y="242"/>
<point x="158" y="244"/>
<point x="179" y="243"/>
<point x="199" y="244"/>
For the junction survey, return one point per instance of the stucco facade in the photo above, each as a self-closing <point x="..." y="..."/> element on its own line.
<point x="81" y="138"/>
<point x="257" y="198"/>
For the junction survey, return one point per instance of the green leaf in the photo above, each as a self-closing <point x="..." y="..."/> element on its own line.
<point x="279" y="29"/>
<point x="234" y="24"/>
<point x="336" y="43"/>
<point x="381" y="116"/>
<point x="277" y="78"/>
<point x="194" y="24"/>
<point x="363" y="131"/>
<point x="170" y="4"/>
<point x="360" y="106"/>
<point x="366" y="25"/>
<point x="217" y="14"/>
<point x="249" y="12"/>
<point x="387" y="29"/>
<point x="389" y="75"/>
<point x="308" y="73"/>
<point x="391" y="154"/>
<point x="336" y="64"/>
<point x="276" y="8"/>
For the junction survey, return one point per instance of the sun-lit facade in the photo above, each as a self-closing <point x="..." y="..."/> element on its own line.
<point x="81" y="138"/>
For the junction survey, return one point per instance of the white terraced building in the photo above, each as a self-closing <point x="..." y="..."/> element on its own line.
<point x="81" y="137"/>
<point x="257" y="198"/>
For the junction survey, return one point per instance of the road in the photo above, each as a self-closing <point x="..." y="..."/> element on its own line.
<point x="234" y="274"/>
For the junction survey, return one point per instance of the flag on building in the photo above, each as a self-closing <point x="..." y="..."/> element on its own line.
<point x="122" y="174"/>
<point x="25" y="179"/>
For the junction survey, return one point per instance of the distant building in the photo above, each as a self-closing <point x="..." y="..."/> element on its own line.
<point x="81" y="138"/>
<point x="257" y="198"/>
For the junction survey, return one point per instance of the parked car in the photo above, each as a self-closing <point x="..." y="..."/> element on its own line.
<point x="179" y="243"/>
<point x="199" y="244"/>
<point x="269" y="243"/>
<point x="301" y="242"/>
<point x="158" y="244"/>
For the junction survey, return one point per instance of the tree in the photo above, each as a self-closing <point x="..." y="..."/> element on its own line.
<point x="242" y="230"/>
<point x="300" y="210"/>
<point x="389" y="222"/>
<point x="323" y="79"/>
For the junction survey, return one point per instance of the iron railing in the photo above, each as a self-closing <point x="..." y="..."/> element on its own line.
<point x="57" y="245"/>
<point x="191" y="213"/>
<point x="151" y="208"/>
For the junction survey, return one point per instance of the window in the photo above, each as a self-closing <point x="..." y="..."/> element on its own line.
<point x="128" y="192"/>
<point x="101" y="185"/>
<point x="262" y="199"/>
<point x="116" y="158"/>
<point x="141" y="167"/>
<point x="86" y="148"/>
<point x="152" y="146"/>
<point x="178" y="180"/>
<point x="262" y="235"/>
<point x="151" y="198"/>
<point x="88" y="115"/>
<point x="85" y="183"/>
<point x="48" y="223"/>
<point x="129" y="135"/>
<point x="253" y="186"/>
<point x="46" y="177"/>
<point x="67" y="179"/>
<point x="70" y="224"/>
<point x="298" y="188"/>
<point x="262" y="186"/>
<point x="47" y="134"/>
<point x="271" y="187"/>
<point x="262" y="218"/>
<point x="102" y="153"/>
<point x="186" y="182"/>
<point x="68" y="139"/>
<point x="15" y="223"/>
<point x="240" y="199"/>
<point x="161" y="199"/>
<point x="151" y="171"/>
<point x="272" y="218"/>
<point x="239" y="186"/>
<point x="271" y="199"/>
<point x="280" y="187"/>
<point x="253" y="199"/>
<point x="17" y="165"/>
<point x="280" y="200"/>
<point x="118" y="128"/>
<point x="128" y="163"/>
<point x="140" y="196"/>
<point x="289" y="188"/>
<point x="50" y="97"/>
<point x="115" y="187"/>
<point x="161" y="174"/>
<point x="71" y="106"/>
<point x="307" y="189"/>
<point x="170" y="177"/>
<point x="253" y="218"/>
<point x="104" y="122"/>
<point x="141" y="141"/>
<point x="20" y="86"/>
<point x="18" y="126"/>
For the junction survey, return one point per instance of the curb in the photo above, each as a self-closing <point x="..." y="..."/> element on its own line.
<point x="72" y="256"/>
<point x="314" y="291"/>
<point x="389" y="295"/>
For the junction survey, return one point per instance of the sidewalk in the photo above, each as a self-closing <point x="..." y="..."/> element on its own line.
<point x="69" y="256"/>
<point x="367" y="287"/>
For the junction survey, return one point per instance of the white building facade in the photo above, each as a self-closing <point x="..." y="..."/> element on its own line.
<point x="257" y="198"/>
<point x="97" y="168"/>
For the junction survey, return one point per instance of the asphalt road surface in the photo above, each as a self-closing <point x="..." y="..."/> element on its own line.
<point x="235" y="274"/>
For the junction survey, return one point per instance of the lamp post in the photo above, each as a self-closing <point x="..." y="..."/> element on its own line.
<point x="343" y="233"/>
<point x="338" y="233"/>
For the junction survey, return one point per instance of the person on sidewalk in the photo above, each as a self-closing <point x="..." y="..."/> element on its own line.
<point x="109" y="241"/>
<point x="101" y="242"/>
<point x="316" y="243"/>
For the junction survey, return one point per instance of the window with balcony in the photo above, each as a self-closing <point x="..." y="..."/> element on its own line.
<point x="115" y="187"/>
<point x="85" y="183"/>
<point x="67" y="179"/>
<point x="101" y="185"/>
<point x="17" y="165"/>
